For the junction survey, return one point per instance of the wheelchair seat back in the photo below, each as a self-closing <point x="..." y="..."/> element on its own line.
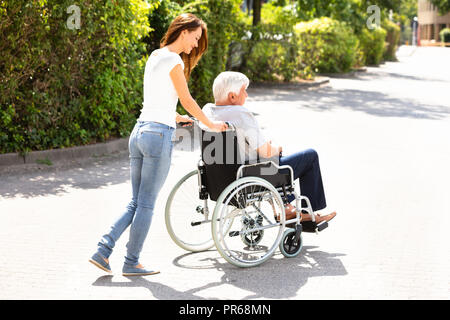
<point x="222" y="159"/>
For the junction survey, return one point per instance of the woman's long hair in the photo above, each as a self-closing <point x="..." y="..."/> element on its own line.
<point x="190" y="22"/>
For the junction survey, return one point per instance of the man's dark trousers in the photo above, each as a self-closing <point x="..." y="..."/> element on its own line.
<point x="306" y="168"/>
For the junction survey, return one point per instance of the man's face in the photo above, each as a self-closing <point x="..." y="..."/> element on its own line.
<point x="241" y="97"/>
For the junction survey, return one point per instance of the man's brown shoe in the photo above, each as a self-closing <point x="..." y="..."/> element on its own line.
<point x="319" y="218"/>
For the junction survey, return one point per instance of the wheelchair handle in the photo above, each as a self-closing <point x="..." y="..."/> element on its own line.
<point x="229" y="124"/>
<point x="186" y="122"/>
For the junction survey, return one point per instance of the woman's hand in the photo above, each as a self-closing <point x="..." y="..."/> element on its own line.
<point x="184" y="119"/>
<point x="218" y="126"/>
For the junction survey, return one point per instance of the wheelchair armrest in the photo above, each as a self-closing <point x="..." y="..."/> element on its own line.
<point x="273" y="175"/>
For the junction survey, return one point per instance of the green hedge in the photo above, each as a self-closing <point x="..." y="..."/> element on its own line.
<point x="269" y="51"/>
<point x="326" y="46"/>
<point x="62" y="87"/>
<point x="160" y="18"/>
<point x="392" y="40"/>
<point x="372" y="44"/>
<point x="445" y="35"/>
<point x="272" y="60"/>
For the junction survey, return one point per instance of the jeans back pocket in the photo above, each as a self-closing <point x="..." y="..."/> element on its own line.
<point x="151" y="143"/>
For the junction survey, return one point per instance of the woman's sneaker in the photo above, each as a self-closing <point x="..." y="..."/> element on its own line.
<point x="101" y="262"/>
<point x="138" y="270"/>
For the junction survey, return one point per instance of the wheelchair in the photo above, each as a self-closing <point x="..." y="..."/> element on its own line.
<point x="247" y="223"/>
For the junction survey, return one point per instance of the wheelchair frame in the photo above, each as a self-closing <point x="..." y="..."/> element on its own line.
<point x="289" y="241"/>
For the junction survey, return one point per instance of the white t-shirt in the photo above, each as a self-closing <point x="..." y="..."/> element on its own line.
<point x="248" y="131"/>
<point x="160" y="97"/>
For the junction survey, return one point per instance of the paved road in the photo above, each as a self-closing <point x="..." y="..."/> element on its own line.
<point x="383" y="140"/>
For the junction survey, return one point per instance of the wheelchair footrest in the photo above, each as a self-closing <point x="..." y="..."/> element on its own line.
<point x="321" y="226"/>
<point x="309" y="226"/>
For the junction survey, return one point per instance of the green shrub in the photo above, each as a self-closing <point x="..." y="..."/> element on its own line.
<point x="326" y="46"/>
<point x="280" y="18"/>
<point x="269" y="50"/>
<point x="445" y="35"/>
<point x="61" y="87"/>
<point x="392" y="40"/>
<point x="160" y="18"/>
<point x="353" y="12"/>
<point x="270" y="59"/>
<point x="372" y="44"/>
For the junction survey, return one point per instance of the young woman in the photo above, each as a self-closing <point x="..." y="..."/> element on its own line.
<point x="165" y="81"/>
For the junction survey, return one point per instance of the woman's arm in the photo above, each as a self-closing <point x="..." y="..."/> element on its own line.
<point x="184" y="118"/>
<point x="188" y="103"/>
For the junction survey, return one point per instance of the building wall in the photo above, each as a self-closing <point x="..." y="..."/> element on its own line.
<point x="430" y="21"/>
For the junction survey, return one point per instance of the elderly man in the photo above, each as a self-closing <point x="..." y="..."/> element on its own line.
<point x="230" y="93"/>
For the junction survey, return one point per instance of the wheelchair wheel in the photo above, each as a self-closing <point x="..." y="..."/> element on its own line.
<point x="184" y="207"/>
<point x="244" y="224"/>
<point x="288" y="246"/>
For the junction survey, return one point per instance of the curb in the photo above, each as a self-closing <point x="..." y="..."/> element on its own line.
<point x="346" y="74"/>
<point x="57" y="155"/>
<point x="317" y="82"/>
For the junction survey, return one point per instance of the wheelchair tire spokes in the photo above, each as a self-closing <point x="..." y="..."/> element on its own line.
<point x="259" y="237"/>
<point x="291" y="244"/>
<point x="264" y="216"/>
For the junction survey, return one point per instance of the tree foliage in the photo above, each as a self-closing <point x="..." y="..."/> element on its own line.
<point x="64" y="86"/>
<point x="443" y="6"/>
<point x="327" y="45"/>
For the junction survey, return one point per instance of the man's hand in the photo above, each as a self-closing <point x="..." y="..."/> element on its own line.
<point x="280" y="148"/>
<point x="267" y="150"/>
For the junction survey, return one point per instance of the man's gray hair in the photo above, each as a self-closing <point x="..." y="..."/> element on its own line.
<point x="228" y="81"/>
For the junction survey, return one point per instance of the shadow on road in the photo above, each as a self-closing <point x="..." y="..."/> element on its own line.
<point x="275" y="279"/>
<point x="399" y="76"/>
<point x="60" y="178"/>
<point x="370" y="102"/>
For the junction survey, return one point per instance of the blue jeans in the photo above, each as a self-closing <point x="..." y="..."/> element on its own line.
<point x="150" y="148"/>
<point x="307" y="169"/>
